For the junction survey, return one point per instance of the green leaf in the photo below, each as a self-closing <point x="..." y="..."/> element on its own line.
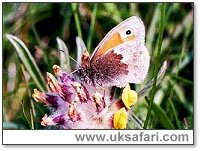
<point x="152" y="29"/>
<point x="179" y="78"/>
<point x="175" y="113"/>
<point x="64" y="55"/>
<point x="178" y="90"/>
<point x="92" y="25"/>
<point x="113" y="11"/>
<point x="162" y="116"/>
<point x="76" y="17"/>
<point x="28" y="61"/>
<point x="157" y="58"/>
<point x="80" y="48"/>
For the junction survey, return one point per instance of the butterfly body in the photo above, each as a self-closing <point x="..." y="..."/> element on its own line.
<point x="120" y="58"/>
<point x="95" y="72"/>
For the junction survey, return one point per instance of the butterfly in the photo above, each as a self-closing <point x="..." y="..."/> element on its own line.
<point x="120" y="58"/>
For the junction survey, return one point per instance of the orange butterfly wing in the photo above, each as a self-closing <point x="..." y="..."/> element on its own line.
<point x="113" y="38"/>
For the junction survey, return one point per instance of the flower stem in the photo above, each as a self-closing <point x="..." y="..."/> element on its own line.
<point x="157" y="61"/>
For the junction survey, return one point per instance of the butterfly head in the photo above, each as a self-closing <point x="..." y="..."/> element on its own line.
<point x="84" y="72"/>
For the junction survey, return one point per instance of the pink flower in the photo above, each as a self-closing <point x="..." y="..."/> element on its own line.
<point x="75" y="105"/>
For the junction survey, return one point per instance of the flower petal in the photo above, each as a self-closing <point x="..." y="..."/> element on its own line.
<point x="46" y="121"/>
<point x="129" y="97"/>
<point x="64" y="77"/>
<point x="53" y="84"/>
<point x="59" y="120"/>
<point x="72" y="112"/>
<point x="53" y="100"/>
<point x="57" y="70"/>
<point x="81" y="91"/>
<point x="99" y="101"/>
<point x="39" y="96"/>
<point x="120" y="119"/>
<point x="67" y="93"/>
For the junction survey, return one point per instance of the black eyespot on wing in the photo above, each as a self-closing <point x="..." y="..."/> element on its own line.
<point x="128" y="32"/>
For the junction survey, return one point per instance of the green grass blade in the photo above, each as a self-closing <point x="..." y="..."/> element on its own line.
<point x="77" y="22"/>
<point x="178" y="90"/>
<point x="25" y="116"/>
<point x="157" y="58"/>
<point x="28" y="61"/>
<point x="175" y="114"/>
<point x="160" y="113"/>
<point x="181" y="79"/>
<point x="111" y="9"/>
<point x="64" y="56"/>
<point x="32" y="109"/>
<point x="90" y="36"/>
<point x="152" y="30"/>
<point x="45" y="53"/>
<point x="32" y="119"/>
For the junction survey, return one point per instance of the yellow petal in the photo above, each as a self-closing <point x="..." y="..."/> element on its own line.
<point x="129" y="97"/>
<point x="120" y="119"/>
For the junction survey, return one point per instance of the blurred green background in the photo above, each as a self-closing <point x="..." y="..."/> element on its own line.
<point x="39" y="24"/>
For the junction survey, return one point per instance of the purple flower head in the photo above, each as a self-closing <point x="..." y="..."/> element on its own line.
<point x="77" y="105"/>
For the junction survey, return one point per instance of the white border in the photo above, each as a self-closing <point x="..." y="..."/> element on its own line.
<point x="144" y="147"/>
<point x="123" y="137"/>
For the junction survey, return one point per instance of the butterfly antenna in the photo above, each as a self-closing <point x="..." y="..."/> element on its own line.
<point x="73" y="71"/>
<point x="70" y="57"/>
